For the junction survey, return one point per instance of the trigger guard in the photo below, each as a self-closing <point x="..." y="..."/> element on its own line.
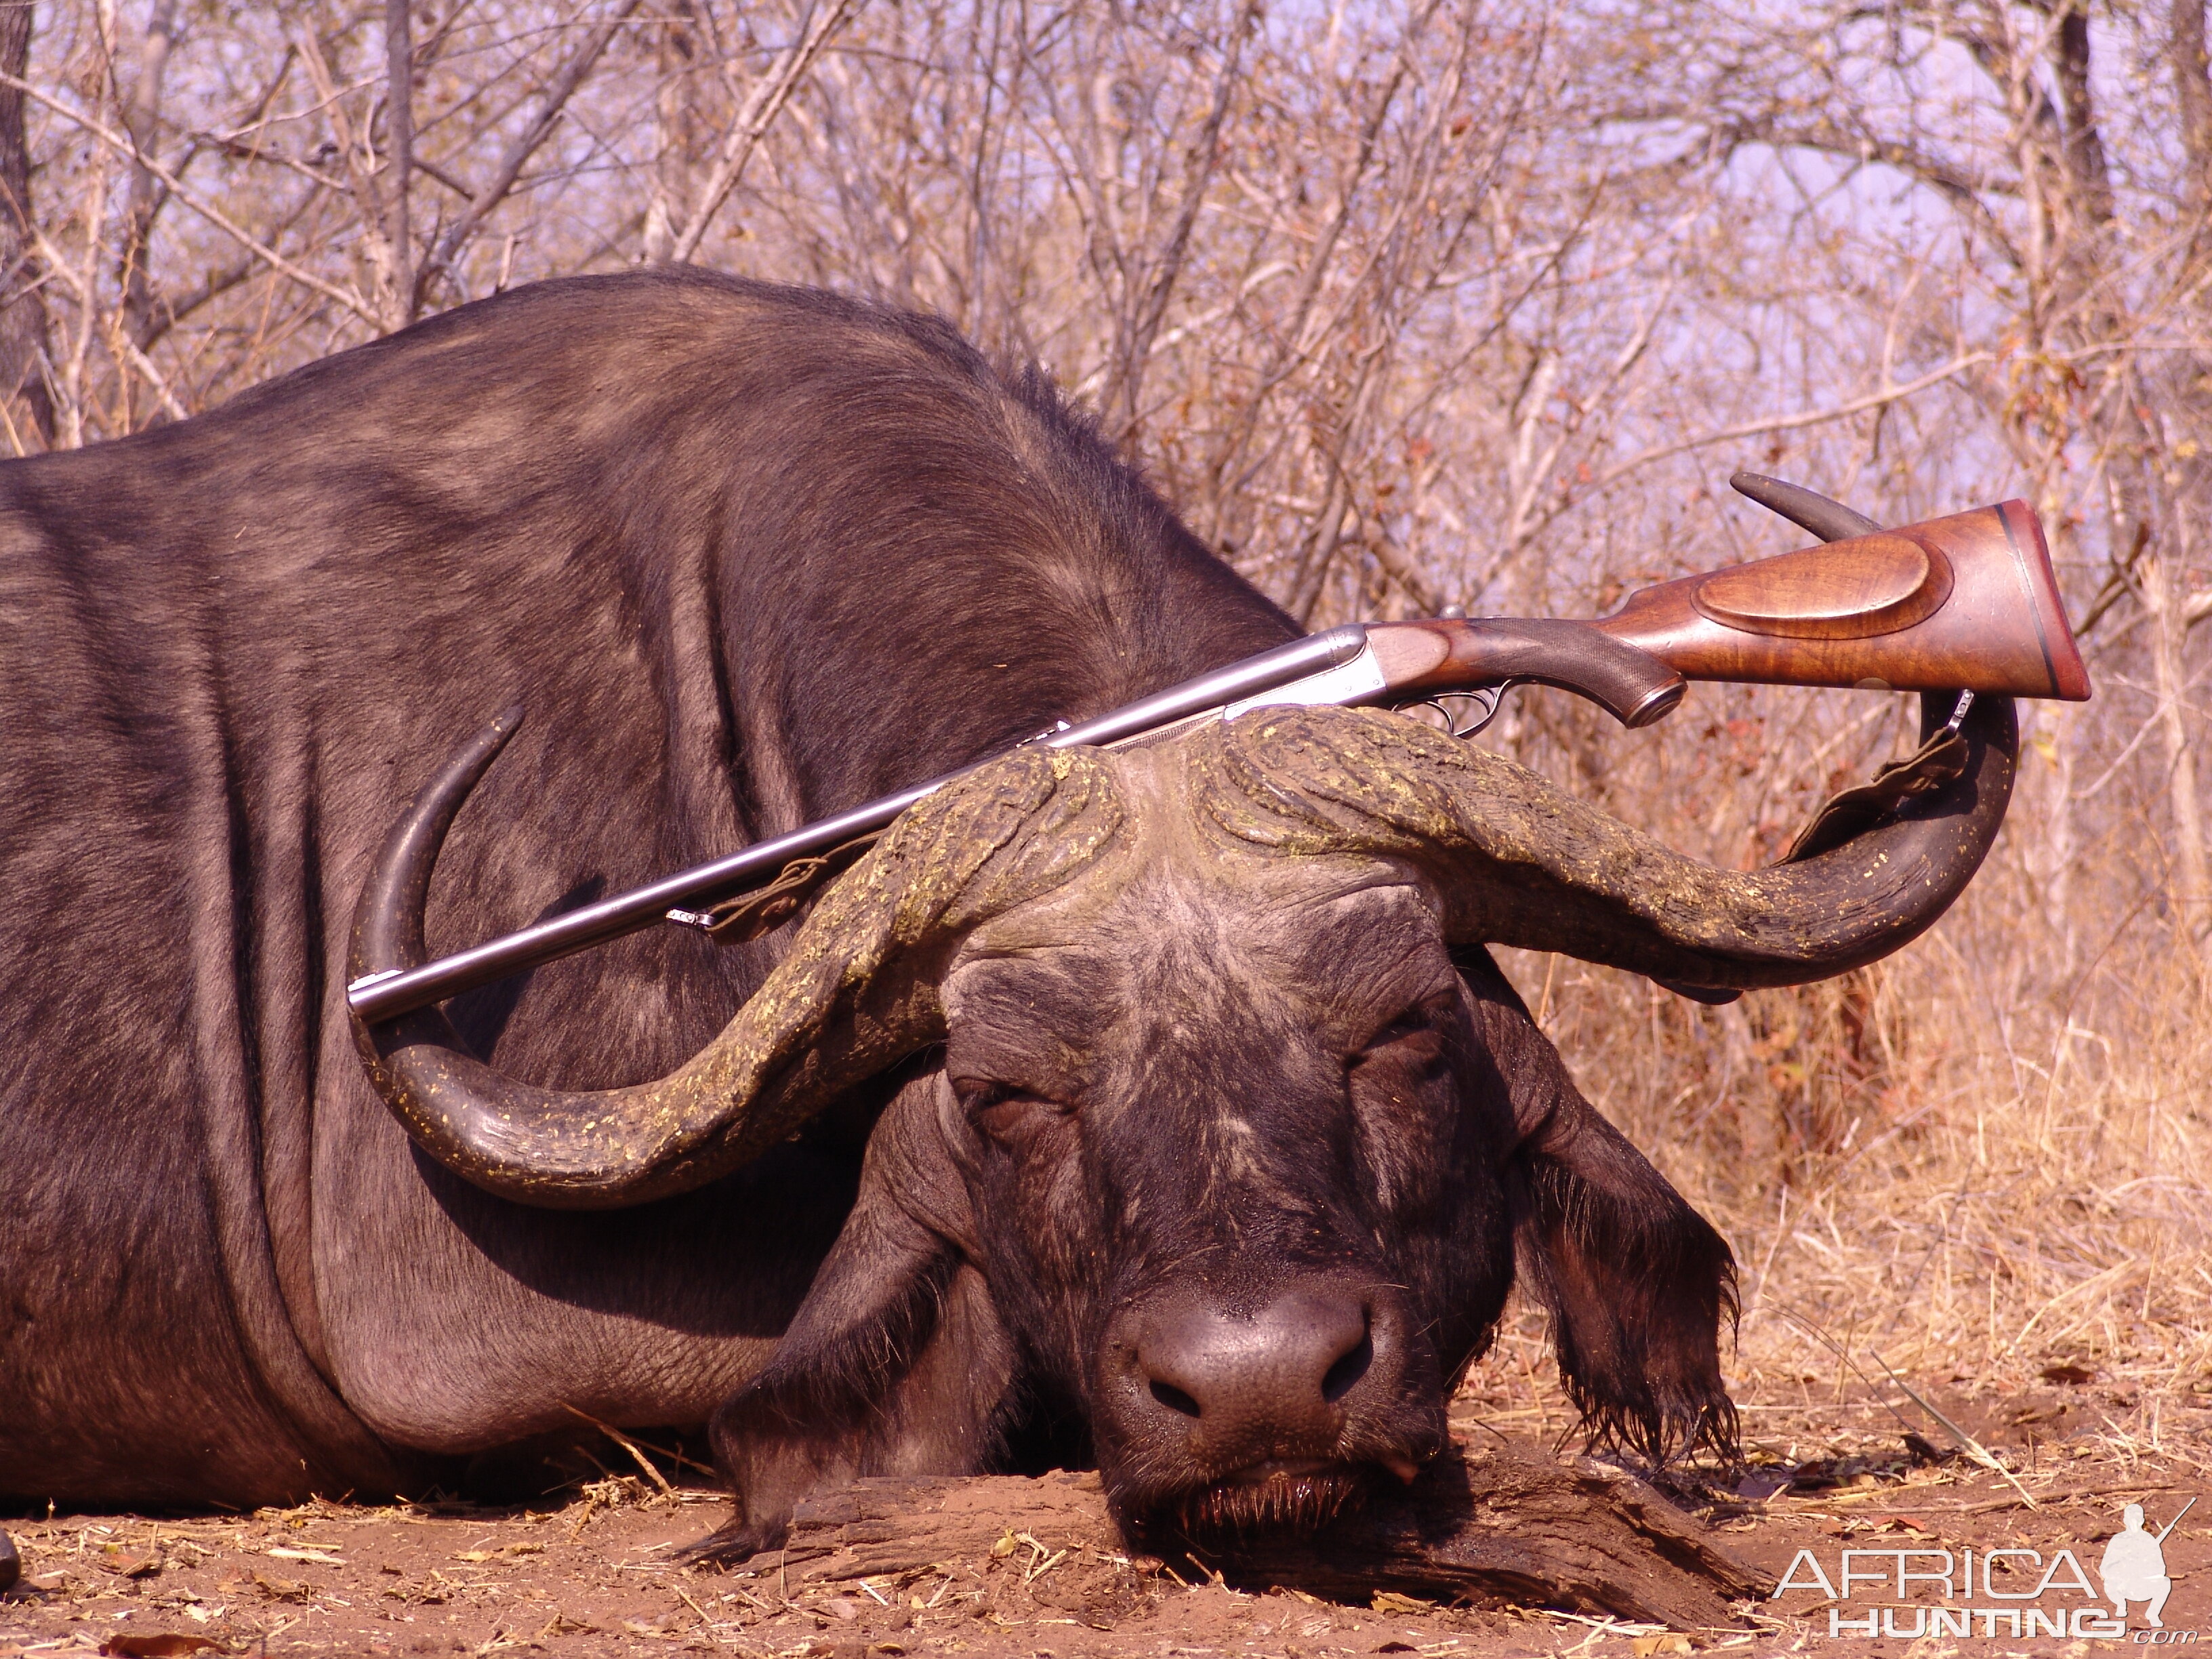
<point x="1485" y="698"/>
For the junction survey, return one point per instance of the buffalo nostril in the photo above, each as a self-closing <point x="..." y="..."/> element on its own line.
<point x="1174" y="1397"/>
<point x="1350" y="1367"/>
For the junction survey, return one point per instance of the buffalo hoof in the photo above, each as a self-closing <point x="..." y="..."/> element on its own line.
<point x="733" y="1546"/>
<point x="11" y="1564"/>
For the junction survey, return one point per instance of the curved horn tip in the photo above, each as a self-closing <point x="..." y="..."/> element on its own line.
<point x="496" y="732"/>
<point x="1831" y="520"/>
<point x="465" y="766"/>
<point x="388" y="927"/>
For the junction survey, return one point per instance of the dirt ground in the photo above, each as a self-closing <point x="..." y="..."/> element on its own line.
<point x="587" y="1571"/>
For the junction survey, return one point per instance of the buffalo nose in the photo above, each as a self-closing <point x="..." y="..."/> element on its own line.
<point x="1266" y="1384"/>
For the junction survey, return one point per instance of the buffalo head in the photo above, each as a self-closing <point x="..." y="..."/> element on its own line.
<point x="1219" y="1140"/>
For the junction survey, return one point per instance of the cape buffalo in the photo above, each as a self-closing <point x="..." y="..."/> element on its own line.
<point x="1158" y="1107"/>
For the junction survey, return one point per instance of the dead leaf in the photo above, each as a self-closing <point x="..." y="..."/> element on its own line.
<point x="157" y="1645"/>
<point x="2073" y="1376"/>
<point x="1671" y="1642"/>
<point x="1762" y="1484"/>
<point x="322" y="1556"/>
<point x="505" y="1552"/>
<point x="1391" y="1601"/>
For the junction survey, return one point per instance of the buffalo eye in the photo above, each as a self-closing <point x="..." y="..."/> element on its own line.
<point x="999" y="1109"/>
<point x="1413" y="1040"/>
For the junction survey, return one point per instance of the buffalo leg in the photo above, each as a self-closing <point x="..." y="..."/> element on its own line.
<point x="897" y="1363"/>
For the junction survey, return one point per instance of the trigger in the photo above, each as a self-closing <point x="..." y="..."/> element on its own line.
<point x="1477" y="707"/>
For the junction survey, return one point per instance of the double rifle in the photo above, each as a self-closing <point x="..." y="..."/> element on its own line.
<point x="1963" y="604"/>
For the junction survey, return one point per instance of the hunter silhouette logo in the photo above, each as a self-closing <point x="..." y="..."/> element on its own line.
<point x="2008" y="1590"/>
<point x="2133" y="1567"/>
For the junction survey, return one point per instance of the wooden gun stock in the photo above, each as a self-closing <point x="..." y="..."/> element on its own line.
<point x="1962" y="604"/>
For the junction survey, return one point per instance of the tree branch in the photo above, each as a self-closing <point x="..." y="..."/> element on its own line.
<point x="557" y="94"/>
<point x="142" y="121"/>
<point x="770" y="94"/>
<point x="399" y="125"/>
<point x="1803" y="418"/>
<point x="208" y="210"/>
<point x="1125" y="394"/>
<point x="23" y="308"/>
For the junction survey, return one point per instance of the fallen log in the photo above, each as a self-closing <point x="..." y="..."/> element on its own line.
<point x="1489" y="1529"/>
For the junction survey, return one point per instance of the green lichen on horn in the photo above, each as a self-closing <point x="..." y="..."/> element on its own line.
<point x="1519" y="862"/>
<point x="856" y="994"/>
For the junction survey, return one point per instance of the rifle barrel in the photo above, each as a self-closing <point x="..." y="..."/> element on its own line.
<point x="378" y="998"/>
<point x="2176" y="1521"/>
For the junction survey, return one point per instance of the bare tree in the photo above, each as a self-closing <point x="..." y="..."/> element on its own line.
<point x="23" y="308"/>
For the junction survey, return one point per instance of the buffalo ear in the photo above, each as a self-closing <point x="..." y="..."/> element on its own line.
<point x="896" y="1363"/>
<point x="1637" y="1282"/>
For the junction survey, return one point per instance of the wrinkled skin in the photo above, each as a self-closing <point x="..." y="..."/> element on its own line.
<point x="1226" y="1168"/>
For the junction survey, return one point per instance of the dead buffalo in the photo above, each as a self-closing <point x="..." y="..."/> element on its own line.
<point x="1157" y="1107"/>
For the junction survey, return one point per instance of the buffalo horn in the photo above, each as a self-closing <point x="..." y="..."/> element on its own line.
<point x="1520" y="862"/>
<point x="1832" y="521"/>
<point x="855" y="994"/>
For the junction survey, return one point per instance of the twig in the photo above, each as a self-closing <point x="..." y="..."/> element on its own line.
<point x="1817" y="1503"/>
<point x="668" y="1452"/>
<point x="562" y="88"/>
<point x="1843" y="1358"/>
<point x="705" y="1623"/>
<point x="144" y="365"/>
<point x="628" y="1445"/>
<point x="1395" y="564"/>
<point x="1974" y="1448"/>
<point x="1153" y="308"/>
